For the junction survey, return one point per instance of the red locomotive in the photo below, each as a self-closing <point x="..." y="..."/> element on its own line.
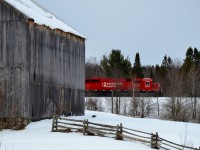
<point x="121" y="86"/>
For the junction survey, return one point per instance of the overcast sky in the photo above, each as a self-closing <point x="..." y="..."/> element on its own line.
<point x="151" y="27"/>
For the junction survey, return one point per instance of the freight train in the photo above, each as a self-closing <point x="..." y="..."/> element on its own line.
<point x="107" y="87"/>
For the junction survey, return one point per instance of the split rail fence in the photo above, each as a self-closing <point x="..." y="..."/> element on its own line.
<point x="118" y="132"/>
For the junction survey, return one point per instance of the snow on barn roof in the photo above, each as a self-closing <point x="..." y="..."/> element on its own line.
<point x="41" y="16"/>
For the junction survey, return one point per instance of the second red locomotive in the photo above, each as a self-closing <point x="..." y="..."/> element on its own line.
<point x="121" y="86"/>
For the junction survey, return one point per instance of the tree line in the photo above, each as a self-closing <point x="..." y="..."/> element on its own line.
<point x="176" y="77"/>
<point x="180" y="81"/>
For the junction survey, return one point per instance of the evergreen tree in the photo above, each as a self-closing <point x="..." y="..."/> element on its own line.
<point x="137" y="69"/>
<point x="126" y="64"/>
<point x="196" y="58"/>
<point x="166" y="64"/>
<point x="151" y="74"/>
<point x="169" y="62"/>
<point x="157" y="68"/>
<point x="199" y="58"/>
<point x="189" y="53"/>
<point x="188" y="61"/>
<point x="115" y="65"/>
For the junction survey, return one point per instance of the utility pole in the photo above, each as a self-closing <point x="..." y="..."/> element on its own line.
<point x="112" y="102"/>
<point x="133" y="85"/>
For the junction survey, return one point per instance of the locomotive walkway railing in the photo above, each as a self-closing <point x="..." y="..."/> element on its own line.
<point x="61" y="124"/>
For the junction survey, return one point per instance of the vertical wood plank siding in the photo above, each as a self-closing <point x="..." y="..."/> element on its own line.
<point x="13" y="72"/>
<point x="41" y="70"/>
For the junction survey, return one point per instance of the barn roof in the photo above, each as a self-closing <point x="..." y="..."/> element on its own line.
<point x="41" y="16"/>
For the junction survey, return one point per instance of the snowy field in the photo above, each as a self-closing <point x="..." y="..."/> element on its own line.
<point x="104" y="103"/>
<point x="153" y="107"/>
<point x="38" y="135"/>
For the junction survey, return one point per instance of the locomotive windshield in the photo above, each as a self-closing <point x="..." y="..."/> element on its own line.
<point x="147" y="84"/>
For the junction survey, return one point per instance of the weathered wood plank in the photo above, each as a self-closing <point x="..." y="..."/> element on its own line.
<point x="172" y="146"/>
<point x="105" y="129"/>
<point x="43" y="68"/>
<point x="137" y="131"/>
<point x="67" y="119"/>
<point x="71" y="124"/>
<point x="172" y="143"/>
<point x="102" y="125"/>
<point x="135" y="139"/>
<point x="136" y="135"/>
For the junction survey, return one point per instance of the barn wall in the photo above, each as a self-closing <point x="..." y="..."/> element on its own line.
<point x="13" y="70"/>
<point x="42" y="70"/>
<point x="56" y="72"/>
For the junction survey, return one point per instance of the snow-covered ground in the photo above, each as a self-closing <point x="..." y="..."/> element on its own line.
<point x="38" y="135"/>
<point x="153" y="107"/>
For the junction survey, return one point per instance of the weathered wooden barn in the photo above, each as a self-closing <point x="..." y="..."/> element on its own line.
<point x="42" y="63"/>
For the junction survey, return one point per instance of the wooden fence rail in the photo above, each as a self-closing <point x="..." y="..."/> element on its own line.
<point x="118" y="132"/>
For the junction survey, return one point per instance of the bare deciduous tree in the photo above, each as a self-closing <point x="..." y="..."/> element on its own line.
<point x="91" y="104"/>
<point x="125" y="106"/>
<point x="142" y="107"/>
<point x="193" y="80"/>
<point x="134" y="106"/>
<point x="146" y="106"/>
<point x="92" y="68"/>
<point x="175" y="107"/>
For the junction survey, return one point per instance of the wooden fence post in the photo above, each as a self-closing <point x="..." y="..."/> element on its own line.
<point x="112" y="102"/>
<point x="119" y="132"/>
<point x="154" y="141"/>
<point x="54" y="124"/>
<point x="85" y="127"/>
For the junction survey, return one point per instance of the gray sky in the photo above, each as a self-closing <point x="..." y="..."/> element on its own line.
<point x="151" y="27"/>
